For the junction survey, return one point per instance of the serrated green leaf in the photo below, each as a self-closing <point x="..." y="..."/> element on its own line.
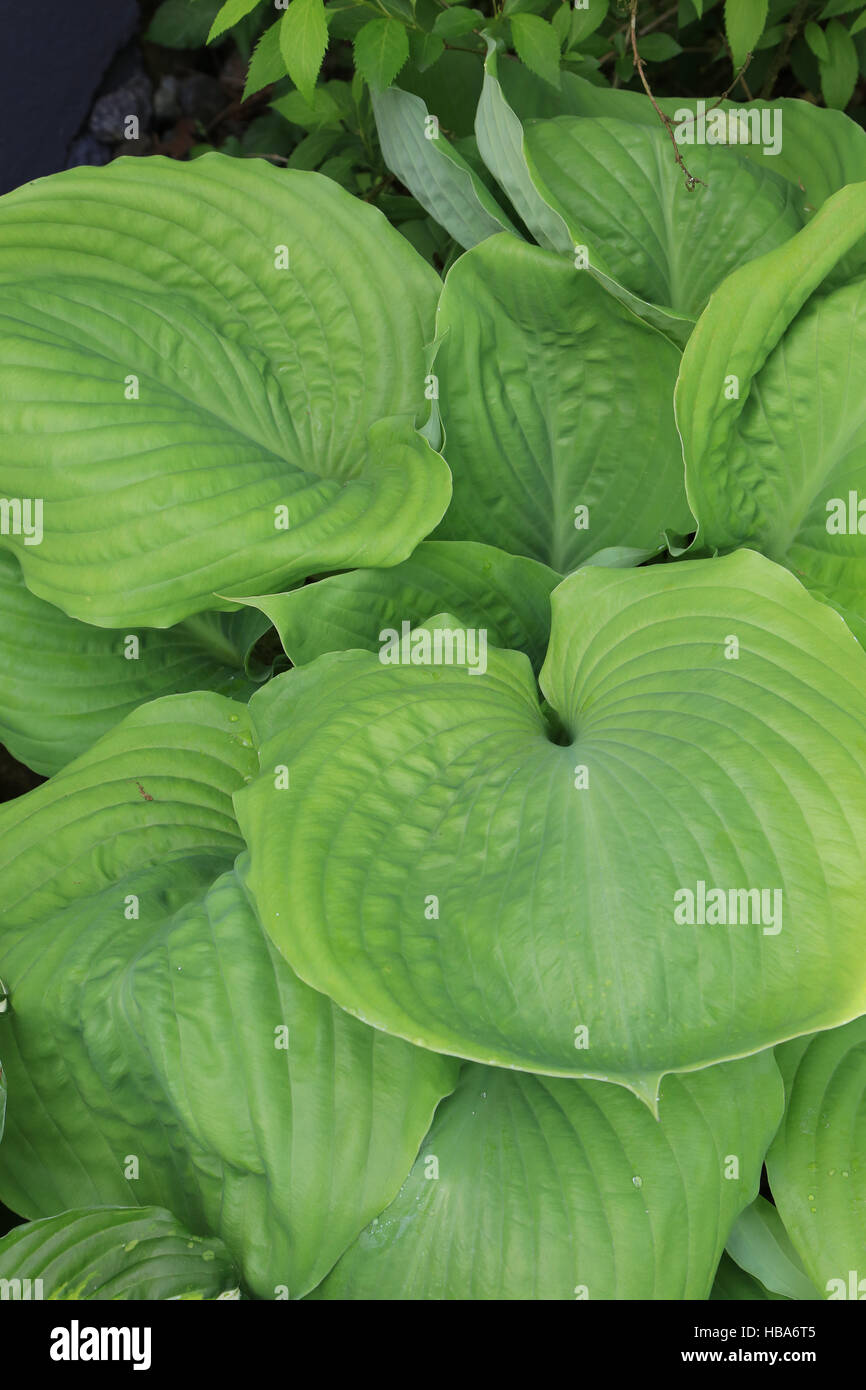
<point x="231" y="13"/>
<point x="536" y="43"/>
<point x="115" y="1253"/>
<point x="381" y="49"/>
<point x="623" y="1207"/>
<point x="453" y="23"/>
<point x="266" y="65"/>
<point x="322" y="111"/>
<point x="303" y="41"/>
<point x="744" y="24"/>
<point x="486" y="882"/>
<point x="426" y="49"/>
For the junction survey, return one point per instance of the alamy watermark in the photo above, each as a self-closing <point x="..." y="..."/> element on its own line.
<point x="729" y="907"/>
<point x="441" y="646"/>
<point x="22" y="516"/>
<point x="733" y="127"/>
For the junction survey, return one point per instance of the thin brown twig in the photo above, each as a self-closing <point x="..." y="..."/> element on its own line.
<point x="692" y="180"/>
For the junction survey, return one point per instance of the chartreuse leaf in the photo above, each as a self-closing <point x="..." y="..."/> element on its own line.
<point x="416" y="151"/>
<point x="508" y="595"/>
<point x="103" y="674"/>
<point x="221" y="341"/>
<point x="267" y="64"/>
<point x="620" y="192"/>
<point x="771" y="415"/>
<point x="817" y="1163"/>
<point x="744" y="25"/>
<point x="500" y="136"/>
<point x="556" y="403"/>
<point x="533" y="1188"/>
<point x="381" y="49"/>
<point x="159" y="1049"/>
<point x="761" y="1245"/>
<point x="303" y="41"/>
<point x="536" y="43"/>
<point x="231" y="13"/>
<point x="115" y="1253"/>
<point x="529" y="885"/>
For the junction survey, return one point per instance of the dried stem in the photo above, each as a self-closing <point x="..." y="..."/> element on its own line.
<point x="691" y="179"/>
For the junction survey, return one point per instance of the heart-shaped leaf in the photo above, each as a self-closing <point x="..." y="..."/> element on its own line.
<point x="661" y="868"/>
<point x="207" y="382"/>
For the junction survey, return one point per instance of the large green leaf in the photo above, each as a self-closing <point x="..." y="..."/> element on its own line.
<point x="254" y="312"/>
<point x="817" y="150"/>
<point x="500" y="136"/>
<point x="116" y="1253"/>
<point x="553" y="398"/>
<point x="817" y="1163"/>
<point x="508" y="595"/>
<point x="63" y="683"/>
<point x="621" y="193"/>
<point x="416" y="151"/>
<point x="159" y="1050"/>
<point x="458" y="865"/>
<point x="545" y="1189"/>
<point x="771" y="414"/>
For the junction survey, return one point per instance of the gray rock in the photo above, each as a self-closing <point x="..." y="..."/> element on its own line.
<point x="109" y="115"/>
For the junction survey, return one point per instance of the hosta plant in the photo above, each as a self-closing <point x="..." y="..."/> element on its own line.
<point x="492" y="949"/>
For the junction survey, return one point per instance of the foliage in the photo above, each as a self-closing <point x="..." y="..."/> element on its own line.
<point x="523" y="911"/>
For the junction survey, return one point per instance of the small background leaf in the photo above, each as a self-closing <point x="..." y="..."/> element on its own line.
<point x="744" y="25"/>
<point x="231" y="13"/>
<point x="537" y="44"/>
<point x="839" y="74"/>
<point x="303" y="40"/>
<point x="381" y="49"/>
